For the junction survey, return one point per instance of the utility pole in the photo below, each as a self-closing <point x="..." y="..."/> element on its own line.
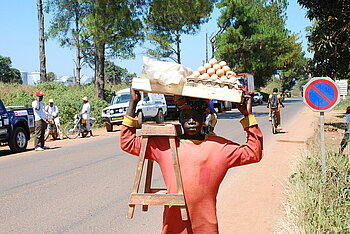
<point x="206" y="47"/>
<point x="42" y="56"/>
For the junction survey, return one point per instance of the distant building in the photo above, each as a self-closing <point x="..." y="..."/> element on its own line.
<point x="86" y="80"/>
<point x="30" y="78"/>
<point x="33" y="78"/>
<point x="66" y="80"/>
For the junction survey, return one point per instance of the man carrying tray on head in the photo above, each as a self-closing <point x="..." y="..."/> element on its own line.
<point x="204" y="160"/>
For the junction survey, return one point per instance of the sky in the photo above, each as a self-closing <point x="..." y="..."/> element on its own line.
<point x="19" y="40"/>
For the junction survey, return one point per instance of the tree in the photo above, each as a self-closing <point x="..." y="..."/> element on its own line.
<point x="114" y="28"/>
<point x="51" y="76"/>
<point x="329" y="37"/>
<point x="42" y="56"/>
<point x="8" y="74"/>
<point x="67" y="28"/>
<point x="168" y="20"/>
<point x="253" y="38"/>
<point x="116" y="75"/>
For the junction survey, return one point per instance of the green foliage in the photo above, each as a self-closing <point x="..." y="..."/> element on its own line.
<point x="274" y="83"/>
<point x="343" y="104"/>
<point x="50" y="76"/>
<point x="116" y="75"/>
<point x="8" y="74"/>
<point x="68" y="99"/>
<point x="105" y="28"/>
<point x="254" y="40"/>
<point x="167" y="20"/>
<point x="114" y="28"/>
<point x="316" y="207"/>
<point x="329" y="37"/>
<point x="66" y="26"/>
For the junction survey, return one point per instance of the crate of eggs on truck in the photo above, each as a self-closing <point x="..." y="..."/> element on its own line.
<point x="213" y="80"/>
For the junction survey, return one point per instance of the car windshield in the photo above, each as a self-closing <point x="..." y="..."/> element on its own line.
<point x="123" y="98"/>
<point x="256" y="94"/>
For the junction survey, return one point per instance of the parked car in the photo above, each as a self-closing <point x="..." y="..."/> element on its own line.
<point x="257" y="98"/>
<point x="173" y="111"/>
<point x="151" y="106"/>
<point x="16" y="125"/>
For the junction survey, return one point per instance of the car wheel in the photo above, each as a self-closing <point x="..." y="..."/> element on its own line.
<point x="19" y="140"/>
<point x="109" y="127"/>
<point x="160" y="116"/>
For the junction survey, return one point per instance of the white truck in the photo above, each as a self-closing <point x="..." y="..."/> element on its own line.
<point x="151" y="106"/>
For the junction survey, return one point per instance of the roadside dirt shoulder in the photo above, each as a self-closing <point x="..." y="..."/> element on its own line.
<point x="253" y="202"/>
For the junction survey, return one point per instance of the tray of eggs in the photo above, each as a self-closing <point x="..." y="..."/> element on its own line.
<point x="214" y="74"/>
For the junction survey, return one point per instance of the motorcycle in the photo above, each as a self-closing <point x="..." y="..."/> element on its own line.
<point x="51" y="128"/>
<point x="74" y="129"/>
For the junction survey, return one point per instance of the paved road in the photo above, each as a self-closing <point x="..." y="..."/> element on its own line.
<point x="84" y="187"/>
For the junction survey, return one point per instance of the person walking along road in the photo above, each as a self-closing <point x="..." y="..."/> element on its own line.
<point x="40" y="121"/>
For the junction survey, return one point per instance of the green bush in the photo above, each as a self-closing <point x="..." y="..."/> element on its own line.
<point x="343" y="104"/>
<point x="68" y="99"/>
<point x="274" y="83"/>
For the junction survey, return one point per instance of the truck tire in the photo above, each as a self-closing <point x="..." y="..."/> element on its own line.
<point x="159" y="117"/>
<point x="109" y="127"/>
<point x="19" y="140"/>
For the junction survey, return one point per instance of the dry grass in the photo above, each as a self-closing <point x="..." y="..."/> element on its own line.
<point x="313" y="206"/>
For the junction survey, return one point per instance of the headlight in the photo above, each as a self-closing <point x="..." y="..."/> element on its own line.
<point x="111" y="111"/>
<point x="108" y="111"/>
<point x="121" y="110"/>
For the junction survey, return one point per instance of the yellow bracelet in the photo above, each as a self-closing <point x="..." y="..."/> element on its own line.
<point x="248" y="121"/>
<point x="130" y="121"/>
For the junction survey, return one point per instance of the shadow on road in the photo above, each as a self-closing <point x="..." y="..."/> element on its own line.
<point x="238" y="115"/>
<point x="292" y="100"/>
<point x="338" y="125"/>
<point x="8" y="152"/>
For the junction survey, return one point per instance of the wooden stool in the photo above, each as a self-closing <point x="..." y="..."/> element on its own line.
<point x="153" y="196"/>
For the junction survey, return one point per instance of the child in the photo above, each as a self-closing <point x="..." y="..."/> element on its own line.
<point x="346" y="137"/>
<point x="204" y="161"/>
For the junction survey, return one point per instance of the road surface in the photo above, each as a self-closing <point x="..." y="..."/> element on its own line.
<point x="83" y="185"/>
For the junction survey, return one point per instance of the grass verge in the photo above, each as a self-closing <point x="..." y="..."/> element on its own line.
<point x="313" y="206"/>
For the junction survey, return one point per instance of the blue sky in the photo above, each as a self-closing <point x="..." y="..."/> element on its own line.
<point x="19" y="40"/>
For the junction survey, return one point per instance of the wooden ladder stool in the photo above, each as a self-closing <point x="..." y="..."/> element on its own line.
<point x="152" y="196"/>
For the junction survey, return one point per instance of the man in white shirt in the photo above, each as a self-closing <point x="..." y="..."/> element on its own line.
<point x="40" y="121"/>
<point x="52" y="110"/>
<point x="85" y="111"/>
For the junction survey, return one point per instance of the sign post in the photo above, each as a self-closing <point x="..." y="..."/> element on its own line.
<point x="321" y="94"/>
<point x="343" y="87"/>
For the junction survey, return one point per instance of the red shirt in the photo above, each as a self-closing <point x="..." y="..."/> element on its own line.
<point x="203" y="165"/>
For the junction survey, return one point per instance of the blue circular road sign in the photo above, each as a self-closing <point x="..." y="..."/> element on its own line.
<point x="321" y="94"/>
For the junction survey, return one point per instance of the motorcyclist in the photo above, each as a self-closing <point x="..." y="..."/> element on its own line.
<point x="85" y="112"/>
<point x="52" y="110"/>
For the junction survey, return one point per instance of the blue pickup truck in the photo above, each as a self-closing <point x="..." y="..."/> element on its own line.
<point x="16" y="125"/>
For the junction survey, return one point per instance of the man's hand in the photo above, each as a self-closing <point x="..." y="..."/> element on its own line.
<point x="246" y="107"/>
<point x="135" y="97"/>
